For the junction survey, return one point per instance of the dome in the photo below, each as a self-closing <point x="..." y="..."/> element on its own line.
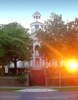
<point x="36" y="15"/>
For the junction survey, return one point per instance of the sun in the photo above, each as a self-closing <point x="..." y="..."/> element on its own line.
<point x="71" y="65"/>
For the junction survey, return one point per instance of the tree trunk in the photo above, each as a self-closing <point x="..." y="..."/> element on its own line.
<point x="2" y="72"/>
<point x="15" y="65"/>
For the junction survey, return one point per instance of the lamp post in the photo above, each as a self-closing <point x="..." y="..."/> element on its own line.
<point x="60" y="75"/>
<point x="45" y="77"/>
<point x="45" y="73"/>
<point x="60" y="81"/>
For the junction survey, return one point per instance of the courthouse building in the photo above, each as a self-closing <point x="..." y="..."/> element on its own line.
<point x="36" y="62"/>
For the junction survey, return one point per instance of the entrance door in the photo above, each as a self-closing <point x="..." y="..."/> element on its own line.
<point x="37" y="78"/>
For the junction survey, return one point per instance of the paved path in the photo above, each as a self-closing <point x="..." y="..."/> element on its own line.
<point x="37" y="90"/>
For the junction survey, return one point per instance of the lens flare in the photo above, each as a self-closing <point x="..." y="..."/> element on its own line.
<point x="71" y="65"/>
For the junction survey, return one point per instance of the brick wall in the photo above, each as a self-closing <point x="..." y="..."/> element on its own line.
<point x="12" y="81"/>
<point x="63" y="81"/>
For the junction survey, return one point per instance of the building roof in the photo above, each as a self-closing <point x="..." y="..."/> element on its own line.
<point x="36" y="15"/>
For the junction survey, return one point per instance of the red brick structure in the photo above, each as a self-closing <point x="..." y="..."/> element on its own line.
<point x="12" y="81"/>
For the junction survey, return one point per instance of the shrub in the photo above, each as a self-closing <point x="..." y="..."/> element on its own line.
<point x="22" y="78"/>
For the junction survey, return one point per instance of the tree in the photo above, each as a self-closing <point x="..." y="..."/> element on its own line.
<point x="71" y="39"/>
<point x="4" y="40"/>
<point x="16" y="43"/>
<point x="51" y="37"/>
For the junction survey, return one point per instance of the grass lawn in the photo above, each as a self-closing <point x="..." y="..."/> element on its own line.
<point x="10" y="89"/>
<point x="66" y="88"/>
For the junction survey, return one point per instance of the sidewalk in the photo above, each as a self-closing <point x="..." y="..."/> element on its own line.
<point x="44" y="89"/>
<point x="37" y="89"/>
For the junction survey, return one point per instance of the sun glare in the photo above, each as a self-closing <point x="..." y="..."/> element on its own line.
<point x="71" y="65"/>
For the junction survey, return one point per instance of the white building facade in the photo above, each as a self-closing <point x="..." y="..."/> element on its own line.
<point x="37" y="62"/>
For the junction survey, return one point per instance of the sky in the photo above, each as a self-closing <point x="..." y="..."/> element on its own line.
<point x="21" y="11"/>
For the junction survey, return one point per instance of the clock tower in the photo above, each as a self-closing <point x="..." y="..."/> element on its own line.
<point x="36" y="62"/>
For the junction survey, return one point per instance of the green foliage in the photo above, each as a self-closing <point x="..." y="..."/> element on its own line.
<point x="22" y="78"/>
<point x="14" y="42"/>
<point x="71" y="39"/>
<point x="52" y="37"/>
